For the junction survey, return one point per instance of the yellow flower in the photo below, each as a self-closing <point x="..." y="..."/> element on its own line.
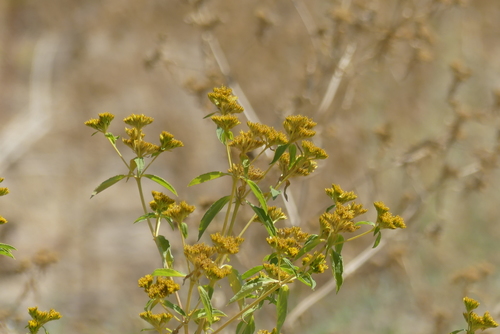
<point x="102" y="123"/>
<point x="138" y="121"/>
<point x="298" y="127"/>
<point x="225" y="101"/>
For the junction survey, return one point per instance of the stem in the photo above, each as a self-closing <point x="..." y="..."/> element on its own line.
<point x="229" y="206"/>
<point x="359" y="235"/>
<point x="118" y="152"/>
<point x="255" y="302"/>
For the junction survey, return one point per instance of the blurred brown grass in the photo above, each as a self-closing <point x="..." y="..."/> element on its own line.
<point x="406" y="126"/>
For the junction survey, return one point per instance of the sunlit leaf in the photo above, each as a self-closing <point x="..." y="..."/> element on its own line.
<point x="161" y="182"/>
<point x="282" y="306"/>
<point x="167" y="272"/>
<point x="211" y="213"/>
<point x="206" y="177"/>
<point x="258" y="193"/>
<point x="108" y="183"/>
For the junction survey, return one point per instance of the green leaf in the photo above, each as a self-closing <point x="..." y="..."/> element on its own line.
<point x="139" y="162"/>
<point x="292" y="149"/>
<point x="6" y="250"/>
<point x="265" y="219"/>
<point x="209" y="115"/>
<point x="235" y="282"/>
<point x="258" y="193"/>
<point x="207" y="305"/>
<point x="364" y="223"/>
<point x="251" y="272"/>
<point x="279" y="152"/>
<point x="145" y="217"/>
<point x="206" y="177"/>
<point x="337" y="267"/>
<point x="307" y="280"/>
<point x="377" y="240"/>
<point x="458" y="331"/>
<point x="310" y="243"/>
<point x="166" y="251"/>
<point x="167" y="272"/>
<point x="274" y="193"/>
<point x="184" y="230"/>
<point x="282" y="306"/>
<point x="328" y="209"/>
<point x="252" y="286"/>
<point x="246" y="326"/>
<point x="108" y="183"/>
<point x="212" y="211"/>
<point x="110" y="136"/>
<point x="339" y="243"/>
<point x="224" y="136"/>
<point x="161" y="182"/>
<point x="175" y="307"/>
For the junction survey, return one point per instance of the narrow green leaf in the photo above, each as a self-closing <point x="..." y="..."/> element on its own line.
<point x="307" y="280"/>
<point x="265" y="219"/>
<point x="258" y="193"/>
<point x="252" y="286"/>
<point x="166" y="251"/>
<point x="364" y="223"/>
<point x="209" y="115"/>
<point x="167" y="272"/>
<point x="139" y="162"/>
<point x="458" y="331"/>
<point x="206" y="177"/>
<point x="339" y="244"/>
<point x="145" y="217"/>
<point x="251" y="272"/>
<point x="235" y="282"/>
<point x="337" y="267"/>
<point x="292" y="150"/>
<point x="184" y="230"/>
<point x="108" y="183"/>
<point x="6" y="250"/>
<point x="246" y="326"/>
<point x="377" y="240"/>
<point x="161" y="182"/>
<point x="211" y="213"/>
<point x="328" y="209"/>
<point x="310" y="243"/>
<point x="279" y="152"/>
<point x="282" y="306"/>
<point x="175" y="307"/>
<point x="207" y="305"/>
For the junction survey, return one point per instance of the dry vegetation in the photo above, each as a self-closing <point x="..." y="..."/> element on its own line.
<point x="406" y="95"/>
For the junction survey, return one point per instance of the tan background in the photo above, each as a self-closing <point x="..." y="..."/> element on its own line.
<point x="63" y="62"/>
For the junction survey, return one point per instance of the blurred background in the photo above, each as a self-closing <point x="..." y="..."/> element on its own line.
<point x="407" y="100"/>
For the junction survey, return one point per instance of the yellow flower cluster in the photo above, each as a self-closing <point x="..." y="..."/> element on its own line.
<point x="288" y="241"/>
<point x="226" y="245"/>
<point x="225" y="101"/>
<point x="179" y="212"/>
<point x="385" y="219"/>
<point x="200" y="256"/>
<point x="299" y="127"/>
<point x="474" y="320"/>
<point x="40" y="318"/>
<point x="275" y="272"/>
<point x="158" y="321"/>
<point x="102" y="123"/>
<point x="254" y="173"/>
<point x="162" y="288"/>
<point x="160" y="202"/>
<point x="316" y="261"/>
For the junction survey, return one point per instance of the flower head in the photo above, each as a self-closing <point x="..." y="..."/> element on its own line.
<point x="102" y="123"/>
<point x="225" y="101"/>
